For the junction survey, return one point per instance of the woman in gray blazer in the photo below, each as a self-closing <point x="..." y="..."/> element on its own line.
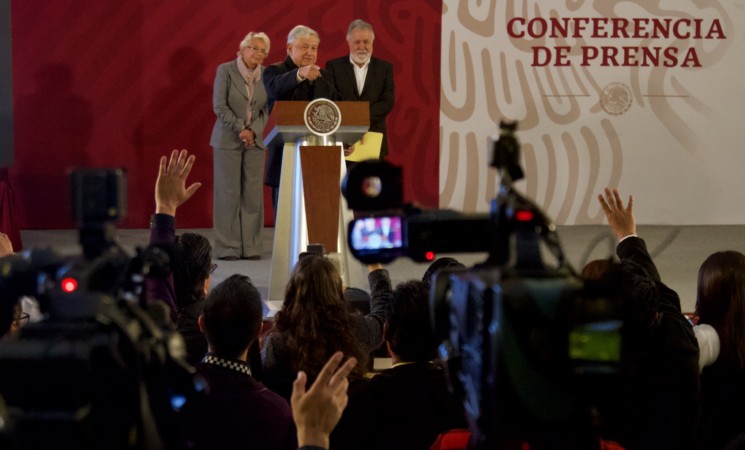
<point x="240" y="103"/>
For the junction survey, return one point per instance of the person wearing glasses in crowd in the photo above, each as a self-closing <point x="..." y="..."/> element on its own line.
<point x="12" y="316"/>
<point x="240" y="103"/>
<point x="26" y="310"/>
<point x="19" y="319"/>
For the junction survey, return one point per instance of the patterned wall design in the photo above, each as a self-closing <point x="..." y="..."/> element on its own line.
<point x="574" y="142"/>
<point x="119" y="83"/>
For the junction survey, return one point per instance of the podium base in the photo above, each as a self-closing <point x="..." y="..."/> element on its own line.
<point x="291" y="229"/>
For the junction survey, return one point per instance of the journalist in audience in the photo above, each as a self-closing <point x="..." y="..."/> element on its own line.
<point x="191" y="279"/>
<point x="315" y="321"/>
<point x="7" y="309"/>
<point x="185" y="289"/>
<point x="13" y="321"/>
<point x="720" y="307"/>
<point x="659" y="399"/>
<point x="408" y="405"/>
<point x="237" y="411"/>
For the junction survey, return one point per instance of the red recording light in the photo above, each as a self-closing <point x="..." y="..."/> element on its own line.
<point x="524" y="216"/>
<point x="429" y="256"/>
<point x="69" y="284"/>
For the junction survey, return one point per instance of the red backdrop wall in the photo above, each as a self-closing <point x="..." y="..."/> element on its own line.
<point x="120" y="83"/>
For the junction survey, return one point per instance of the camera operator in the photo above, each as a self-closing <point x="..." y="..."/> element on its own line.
<point x="660" y="400"/>
<point x="185" y="289"/>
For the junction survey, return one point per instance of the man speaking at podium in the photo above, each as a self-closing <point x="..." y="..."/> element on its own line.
<point x="296" y="78"/>
<point x="360" y="77"/>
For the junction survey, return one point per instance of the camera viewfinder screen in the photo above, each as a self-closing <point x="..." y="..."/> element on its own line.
<point x="373" y="233"/>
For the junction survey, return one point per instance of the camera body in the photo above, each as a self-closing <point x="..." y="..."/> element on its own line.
<point x="422" y="233"/>
<point x="105" y="367"/>
<point x="98" y="195"/>
<point x="416" y="234"/>
<point x="531" y="353"/>
<point x="530" y="348"/>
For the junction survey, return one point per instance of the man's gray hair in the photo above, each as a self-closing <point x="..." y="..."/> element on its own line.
<point x="359" y="24"/>
<point x="301" y="32"/>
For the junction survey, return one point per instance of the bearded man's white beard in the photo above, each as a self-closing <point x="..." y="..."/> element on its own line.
<point x="361" y="58"/>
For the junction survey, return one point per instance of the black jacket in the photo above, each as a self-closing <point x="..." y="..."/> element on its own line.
<point x="378" y="91"/>
<point x="660" y="400"/>
<point x="281" y="83"/>
<point x="405" y="407"/>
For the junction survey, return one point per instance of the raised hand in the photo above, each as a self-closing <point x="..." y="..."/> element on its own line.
<point x="170" y="187"/>
<point x="317" y="411"/>
<point x="620" y="218"/>
<point x="6" y="247"/>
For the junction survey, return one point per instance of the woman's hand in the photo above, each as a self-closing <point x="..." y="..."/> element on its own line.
<point x="248" y="137"/>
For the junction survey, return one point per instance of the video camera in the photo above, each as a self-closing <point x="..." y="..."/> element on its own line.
<point x="393" y="229"/>
<point x="530" y="347"/>
<point x="103" y="368"/>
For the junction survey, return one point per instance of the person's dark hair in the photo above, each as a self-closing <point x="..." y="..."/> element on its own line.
<point x="409" y="332"/>
<point x="629" y="281"/>
<point x="8" y="314"/>
<point x="597" y="269"/>
<point x="193" y="258"/>
<point x="358" y="299"/>
<point x="315" y="318"/>
<point x="720" y="302"/>
<point x="232" y="316"/>
<point x="439" y="264"/>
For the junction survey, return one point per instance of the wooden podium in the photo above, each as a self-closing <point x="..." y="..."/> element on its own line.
<point x="310" y="209"/>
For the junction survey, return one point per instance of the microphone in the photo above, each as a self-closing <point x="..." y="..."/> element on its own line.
<point x="334" y="91"/>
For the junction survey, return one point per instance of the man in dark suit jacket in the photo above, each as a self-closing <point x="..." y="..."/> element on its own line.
<point x="360" y="77"/>
<point x="296" y="78"/>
